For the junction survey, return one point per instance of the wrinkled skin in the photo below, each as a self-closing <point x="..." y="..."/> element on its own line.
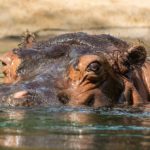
<point x="141" y="80"/>
<point x="74" y="69"/>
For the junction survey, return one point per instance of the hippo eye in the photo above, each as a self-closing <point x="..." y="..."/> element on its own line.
<point x="95" y="67"/>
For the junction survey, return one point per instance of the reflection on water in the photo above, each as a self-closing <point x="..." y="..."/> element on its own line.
<point x="74" y="128"/>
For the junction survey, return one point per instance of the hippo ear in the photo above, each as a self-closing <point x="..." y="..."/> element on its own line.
<point x="136" y="55"/>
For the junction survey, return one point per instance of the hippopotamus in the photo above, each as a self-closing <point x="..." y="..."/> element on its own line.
<point x="75" y="69"/>
<point x="141" y="80"/>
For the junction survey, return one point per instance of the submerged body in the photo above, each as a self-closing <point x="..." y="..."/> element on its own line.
<point x="75" y="69"/>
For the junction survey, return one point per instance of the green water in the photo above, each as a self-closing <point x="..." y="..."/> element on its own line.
<point x="58" y="128"/>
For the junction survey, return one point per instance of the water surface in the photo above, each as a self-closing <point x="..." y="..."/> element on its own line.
<point x="74" y="128"/>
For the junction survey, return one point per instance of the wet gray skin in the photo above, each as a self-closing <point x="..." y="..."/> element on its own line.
<point x="45" y="78"/>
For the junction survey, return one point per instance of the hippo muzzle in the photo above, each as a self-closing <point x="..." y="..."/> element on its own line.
<point x="10" y="63"/>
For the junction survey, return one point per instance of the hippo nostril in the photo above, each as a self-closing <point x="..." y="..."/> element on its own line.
<point x="4" y="73"/>
<point x="3" y="63"/>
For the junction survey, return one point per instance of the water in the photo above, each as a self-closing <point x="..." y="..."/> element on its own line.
<point x="67" y="128"/>
<point x="74" y="128"/>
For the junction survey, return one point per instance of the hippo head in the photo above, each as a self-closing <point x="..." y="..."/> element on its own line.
<point x="71" y="73"/>
<point x="91" y="82"/>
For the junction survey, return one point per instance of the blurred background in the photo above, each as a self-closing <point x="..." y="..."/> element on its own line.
<point x="127" y="19"/>
<point x="61" y="128"/>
